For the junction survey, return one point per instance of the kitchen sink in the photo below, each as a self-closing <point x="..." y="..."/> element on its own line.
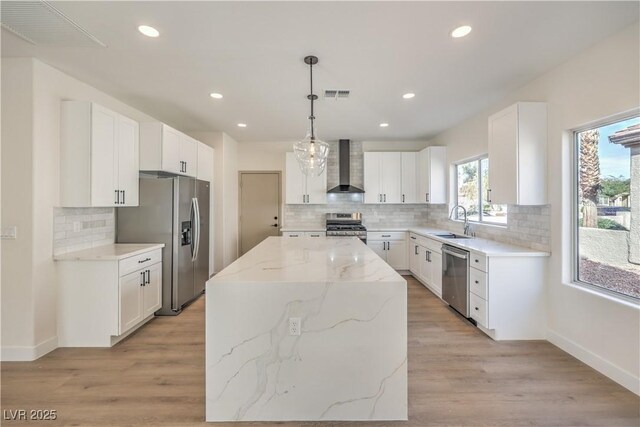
<point x="452" y="236"/>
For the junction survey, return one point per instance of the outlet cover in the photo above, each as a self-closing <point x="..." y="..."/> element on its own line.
<point x="295" y="324"/>
<point x="9" y="233"/>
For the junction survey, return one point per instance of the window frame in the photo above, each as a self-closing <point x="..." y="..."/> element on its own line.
<point x="575" y="207"/>
<point x="481" y="197"/>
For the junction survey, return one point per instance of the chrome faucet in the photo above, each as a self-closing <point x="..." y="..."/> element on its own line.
<point x="466" y="221"/>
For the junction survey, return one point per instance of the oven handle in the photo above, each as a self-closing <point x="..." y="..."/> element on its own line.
<point x="457" y="255"/>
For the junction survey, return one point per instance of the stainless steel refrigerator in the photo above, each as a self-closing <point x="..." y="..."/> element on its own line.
<point x="173" y="210"/>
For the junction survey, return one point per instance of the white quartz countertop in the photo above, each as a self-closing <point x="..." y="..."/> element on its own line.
<point x="111" y="252"/>
<point x="477" y="244"/>
<point x="320" y="260"/>
<point x="285" y="229"/>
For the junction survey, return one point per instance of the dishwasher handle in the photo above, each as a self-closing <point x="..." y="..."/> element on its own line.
<point x="455" y="254"/>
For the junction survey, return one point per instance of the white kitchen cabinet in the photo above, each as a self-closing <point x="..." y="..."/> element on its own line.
<point x="391" y="247"/>
<point x="99" y="156"/>
<point x="426" y="262"/>
<point x="102" y="299"/>
<point x="409" y="177"/>
<point x="205" y="162"/>
<point x="432" y="175"/>
<point x="301" y="189"/>
<point x="382" y="177"/>
<point x="518" y="155"/>
<point x="164" y="149"/>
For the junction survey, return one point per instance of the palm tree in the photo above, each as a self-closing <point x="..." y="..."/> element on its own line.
<point x="589" y="176"/>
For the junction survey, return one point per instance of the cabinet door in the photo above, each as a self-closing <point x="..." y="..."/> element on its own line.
<point x="503" y="142"/>
<point x="425" y="265"/>
<point x="397" y="254"/>
<point x="152" y="291"/>
<point x="436" y="272"/>
<point x="414" y="259"/>
<point x="189" y="155"/>
<point x="409" y="178"/>
<point x="372" y="178"/>
<point x="171" y="150"/>
<point x="423" y="176"/>
<point x="205" y="162"/>
<point x="128" y="166"/>
<point x="391" y="173"/>
<point x="437" y="174"/>
<point x="379" y="248"/>
<point x="317" y="188"/>
<point x="295" y="183"/>
<point x="130" y="301"/>
<point x="104" y="168"/>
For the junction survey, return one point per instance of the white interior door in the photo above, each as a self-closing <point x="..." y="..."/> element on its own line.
<point x="130" y="300"/>
<point x="128" y="163"/>
<point x="409" y="177"/>
<point x="372" y="178"/>
<point x="295" y="183"/>
<point x="391" y="172"/>
<point x="259" y="208"/>
<point x="152" y="291"/>
<point x="104" y="168"/>
<point x="503" y="173"/>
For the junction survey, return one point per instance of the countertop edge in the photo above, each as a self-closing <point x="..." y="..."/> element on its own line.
<point x="77" y="255"/>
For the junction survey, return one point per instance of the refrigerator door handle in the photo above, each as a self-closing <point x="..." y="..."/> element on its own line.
<point x="197" y="228"/>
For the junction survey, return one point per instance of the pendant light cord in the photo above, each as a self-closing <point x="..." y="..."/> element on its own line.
<point x="311" y="117"/>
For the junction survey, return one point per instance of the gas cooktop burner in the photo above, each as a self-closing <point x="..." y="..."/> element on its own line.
<point x="347" y="225"/>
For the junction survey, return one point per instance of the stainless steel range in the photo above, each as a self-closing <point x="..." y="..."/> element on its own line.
<point x="346" y="225"/>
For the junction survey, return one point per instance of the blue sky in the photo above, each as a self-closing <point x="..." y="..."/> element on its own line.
<point x="614" y="158"/>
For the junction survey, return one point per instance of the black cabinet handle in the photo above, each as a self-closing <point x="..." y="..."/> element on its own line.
<point x="380" y="197"/>
<point x="403" y="198"/>
<point x="142" y="273"/>
<point x="123" y="193"/>
<point x="148" y="277"/>
<point x="476" y="308"/>
<point x="385" y="198"/>
<point x="144" y="260"/>
<point x="427" y="197"/>
<point x="416" y="250"/>
<point x="476" y="281"/>
<point x="117" y="197"/>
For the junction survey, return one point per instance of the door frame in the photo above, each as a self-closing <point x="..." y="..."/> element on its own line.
<point x="254" y="172"/>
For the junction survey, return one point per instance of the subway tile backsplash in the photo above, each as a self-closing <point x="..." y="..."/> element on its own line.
<point x="75" y="229"/>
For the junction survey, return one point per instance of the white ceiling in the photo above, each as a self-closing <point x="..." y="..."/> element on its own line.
<point x="252" y="52"/>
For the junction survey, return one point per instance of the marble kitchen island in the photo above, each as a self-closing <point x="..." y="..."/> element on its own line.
<point x="349" y="361"/>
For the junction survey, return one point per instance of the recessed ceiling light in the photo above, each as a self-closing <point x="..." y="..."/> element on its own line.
<point x="384" y="125"/>
<point x="460" y="31"/>
<point x="216" y="95"/>
<point x="242" y="125"/>
<point x="148" y="31"/>
<point x="408" y="95"/>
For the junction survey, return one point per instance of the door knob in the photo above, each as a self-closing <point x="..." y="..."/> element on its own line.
<point x="274" y="225"/>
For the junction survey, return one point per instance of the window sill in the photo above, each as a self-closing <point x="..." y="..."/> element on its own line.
<point x="487" y="224"/>
<point x="605" y="294"/>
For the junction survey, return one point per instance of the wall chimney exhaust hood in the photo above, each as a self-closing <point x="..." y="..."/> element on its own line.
<point x="344" y="162"/>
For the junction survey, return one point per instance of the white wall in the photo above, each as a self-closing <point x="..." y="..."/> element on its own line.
<point x="600" y="82"/>
<point x="226" y="196"/>
<point x="31" y="96"/>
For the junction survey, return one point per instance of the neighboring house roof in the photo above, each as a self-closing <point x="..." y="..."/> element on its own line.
<point x="627" y="137"/>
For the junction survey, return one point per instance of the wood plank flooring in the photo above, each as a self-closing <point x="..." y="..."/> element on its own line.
<point x="457" y="377"/>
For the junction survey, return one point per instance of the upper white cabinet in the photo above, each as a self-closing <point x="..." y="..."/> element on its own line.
<point x="405" y="177"/>
<point x="518" y="155"/>
<point x="382" y="177"/>
<point x="205" y="162"/>
<point x="302" y="189"/>
<point x="432" y="175"/>
<point x="165" y="149"/>
<point x="98" y="156"/>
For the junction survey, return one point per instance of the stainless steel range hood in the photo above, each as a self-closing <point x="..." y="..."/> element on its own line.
<point x="344" y="164"/>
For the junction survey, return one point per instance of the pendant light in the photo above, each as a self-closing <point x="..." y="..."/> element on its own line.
<point x="311" y="152"/>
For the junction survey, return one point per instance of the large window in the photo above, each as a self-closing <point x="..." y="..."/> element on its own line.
<point x="607" y="208"/>
<point x="472" y="184"/>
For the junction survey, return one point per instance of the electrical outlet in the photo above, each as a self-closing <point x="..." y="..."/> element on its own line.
<point x="9" y="233"/>
<point x="295" y="325"/>
<point x="77" y="226"/>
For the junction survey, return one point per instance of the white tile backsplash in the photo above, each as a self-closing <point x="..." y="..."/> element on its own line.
<point x="75" y="229"/>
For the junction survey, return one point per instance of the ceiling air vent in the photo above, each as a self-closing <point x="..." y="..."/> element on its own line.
<point x="38" y="22"/>
<point x="336" y="94"/>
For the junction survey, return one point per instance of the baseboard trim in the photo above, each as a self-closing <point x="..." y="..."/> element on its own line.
<point x="616" y="373"/>
<point x="28" y="354"/>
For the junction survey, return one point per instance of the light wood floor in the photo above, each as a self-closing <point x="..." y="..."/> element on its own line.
<point x="457" y="376"/>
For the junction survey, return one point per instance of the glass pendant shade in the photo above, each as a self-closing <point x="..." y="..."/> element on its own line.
<point x="312" y="155"/>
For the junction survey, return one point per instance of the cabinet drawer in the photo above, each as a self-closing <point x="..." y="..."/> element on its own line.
<point x="387" y="235"/>
<point x="478" y="283"/>
<point x="138" y="262"/>
<point x="432" y="245"/>
<point x="293" y="234"/>
<point x="478" y="261"/>
<point x="478" y="309"/>
<point x="315" y="234"/>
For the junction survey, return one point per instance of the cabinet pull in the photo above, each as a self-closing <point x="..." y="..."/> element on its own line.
<point x="380" y="198"/>
<point x="426" y="255"/>
<point x="117" y="197"/>
<point x="386" y="235"/>
<point x="427" y="197"/>
<point x="476" y="308"/>
<point x="429" y="255"/>
<point x="403" y="198"/>
<point x="185" y="167"/>
<point x="144" y="260"/>
<point x="489" y="195"/>
<point x="385" y="198"/>
<point x="123" y="193"/>
<point x="148" y="277"/>
<point x="416" y="250"/>
<point x="476" y="282"/>
<point x="413" y="237"/>
<point x="142" y="274"/>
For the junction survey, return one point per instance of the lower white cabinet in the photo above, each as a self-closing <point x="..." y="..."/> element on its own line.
<point x="310" y="234"/>
<point x="426" y="262"/>
<point x="102" y="300"/>
<point x="391" y="247"/>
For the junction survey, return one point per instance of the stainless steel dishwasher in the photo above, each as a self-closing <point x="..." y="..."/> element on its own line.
<point x="455" y="278"/>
